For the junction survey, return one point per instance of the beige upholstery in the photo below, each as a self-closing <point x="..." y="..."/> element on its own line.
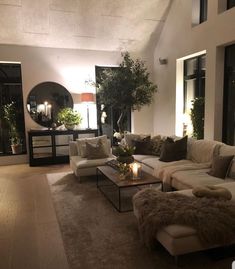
<point x="83" y="166"/>
<point x="182" y="180"/>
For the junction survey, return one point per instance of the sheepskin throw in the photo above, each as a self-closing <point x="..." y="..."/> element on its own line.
<point x="214" y="219"/>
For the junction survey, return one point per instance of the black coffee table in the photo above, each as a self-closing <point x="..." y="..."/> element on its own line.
<point x="120" y="192"/>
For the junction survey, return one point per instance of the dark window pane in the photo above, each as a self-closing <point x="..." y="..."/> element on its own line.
<point x="11" y="92"/>
<point x="203" y="10"/>
<point x="230" y="4"/>
<point x="190" y="67"/>
<point x="229" y="96"/>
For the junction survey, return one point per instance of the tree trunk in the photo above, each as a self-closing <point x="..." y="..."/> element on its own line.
<point x="119" y="122"/>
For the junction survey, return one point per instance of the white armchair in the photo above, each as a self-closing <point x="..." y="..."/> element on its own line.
<point x="83" y="166"/>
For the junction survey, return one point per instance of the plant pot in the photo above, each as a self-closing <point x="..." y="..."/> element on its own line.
<point x="16" y="148"/>
<point x="69" y="126"/>
<point x="125" y="159"/>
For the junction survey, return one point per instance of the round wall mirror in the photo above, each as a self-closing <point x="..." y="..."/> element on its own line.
<point x="45" y="100"/>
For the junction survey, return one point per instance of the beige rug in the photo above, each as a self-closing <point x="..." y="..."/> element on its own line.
<point x="96" y="236"/>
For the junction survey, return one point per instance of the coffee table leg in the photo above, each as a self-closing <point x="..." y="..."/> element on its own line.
<point x="119" y="199"/>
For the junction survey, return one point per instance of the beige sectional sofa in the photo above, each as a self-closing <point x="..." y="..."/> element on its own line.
<point x="186" y="174"/>
<point x="183" y="176"/>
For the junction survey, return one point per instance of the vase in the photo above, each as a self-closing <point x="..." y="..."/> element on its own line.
<point x="69" y="126"/>
<point x="16" y="148"/>
<point x="125" y="159"/>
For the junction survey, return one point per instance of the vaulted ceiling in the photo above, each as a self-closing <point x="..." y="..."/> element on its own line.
<point x="111" y="25"/>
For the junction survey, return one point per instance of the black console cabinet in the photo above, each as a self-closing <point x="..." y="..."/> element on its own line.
<point x="52" y="146"/>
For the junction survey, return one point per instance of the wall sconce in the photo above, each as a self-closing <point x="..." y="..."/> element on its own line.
<point x="163" y="61"/>
<point x="87" y="97"/>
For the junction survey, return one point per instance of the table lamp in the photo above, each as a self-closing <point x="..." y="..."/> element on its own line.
<point x="87" y="97"/>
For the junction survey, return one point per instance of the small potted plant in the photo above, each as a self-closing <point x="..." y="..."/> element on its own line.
<point x="69" y="117"/>
<point x="9" y="111"/>
<point x="124" y="154"/>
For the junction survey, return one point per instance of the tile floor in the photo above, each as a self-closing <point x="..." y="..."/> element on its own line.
<point x="29" y="233"/>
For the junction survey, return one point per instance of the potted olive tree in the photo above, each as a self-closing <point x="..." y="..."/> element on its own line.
<point x="9" y="115"/>
<point x="126" y="87"/>
<point x="69" y="118"/>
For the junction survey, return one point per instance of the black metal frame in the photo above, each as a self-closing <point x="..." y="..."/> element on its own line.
<point x="53" y="133"/>
<point x="99" y="174"/>
<point x="198" y="76"/>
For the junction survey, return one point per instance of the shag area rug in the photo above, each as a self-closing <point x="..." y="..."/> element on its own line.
<point x="97" y="236"/>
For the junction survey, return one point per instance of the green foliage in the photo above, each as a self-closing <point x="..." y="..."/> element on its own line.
<point x="197" y="117"/>
<point x="9" y="115"/>
<point x="124" y="151"/>
<point x="69" y="116"/>
<point x="126" y="87"/>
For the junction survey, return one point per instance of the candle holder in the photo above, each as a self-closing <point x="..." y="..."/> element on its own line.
<point x="136" y="170"/>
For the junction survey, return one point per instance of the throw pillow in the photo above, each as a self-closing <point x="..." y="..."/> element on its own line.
<point x="81" y="144"/>
<point x="212" y="192"/>
<point x="220" y="166"/>
<point x="157" y="143"/>
<point x="129" y="137"/>
<point x="143" y="147"/>
<point x="174" y="150"/>
<point x="96" y="151"/>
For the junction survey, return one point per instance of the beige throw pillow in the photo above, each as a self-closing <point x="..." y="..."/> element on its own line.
<point x="81" y="144"/>
<point x="96" y="151"/>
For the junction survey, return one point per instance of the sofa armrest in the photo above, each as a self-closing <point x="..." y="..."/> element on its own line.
<point x="73" y="151"/>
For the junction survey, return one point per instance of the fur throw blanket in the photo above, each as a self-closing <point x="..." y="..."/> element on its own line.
<point x="214" y="219"/>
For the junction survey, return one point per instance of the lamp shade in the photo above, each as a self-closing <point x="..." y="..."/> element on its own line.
<point x="87" y="97"/>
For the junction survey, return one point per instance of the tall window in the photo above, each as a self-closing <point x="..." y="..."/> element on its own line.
<point x="230" y="4"/>
<point x="229" y="96"/>
<point x="11" y="95"/>
<point x="203" y="10"/>
<point x="194" y="83"/>
<point x="199" y="11"/>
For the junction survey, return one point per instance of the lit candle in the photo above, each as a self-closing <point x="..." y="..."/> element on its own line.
<point x="135" y="170"/>
<point x="45" y="104"/>
<point x="49" y="111"/>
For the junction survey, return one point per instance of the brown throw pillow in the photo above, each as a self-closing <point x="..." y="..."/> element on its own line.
<point x="220" y="166"/>
<point x="174" y="150"/>
<point x="143" y="147"/>
<point x="96" y="151"/>
<point x="157" y="143"/>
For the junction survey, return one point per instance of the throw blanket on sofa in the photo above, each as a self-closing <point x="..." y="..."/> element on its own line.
<point x="214" y="219"/>
<point x="165" y="172"/>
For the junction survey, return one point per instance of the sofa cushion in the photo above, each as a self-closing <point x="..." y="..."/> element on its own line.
<point x="81" y="144"/>
<point x="178" y="231"/>
<point x="202" y="151"/>
<point x="220" y="166"/>
<point x="174" y="150"/>
<point x="80" y="162"/>
<point x="157" y="143"/>
<point x="140" y="158"/>
<point x="229" y="150"/>
<point x="151" y="162"/>
<point x="96" y="151"/>
<point x="129" y="137"/>
<point x="182" y="180"/>
<point x="143" y="146"/>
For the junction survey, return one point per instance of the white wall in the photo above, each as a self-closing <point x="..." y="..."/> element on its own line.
<point x="68" y="67"/>
<point x="179" y="39"/>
